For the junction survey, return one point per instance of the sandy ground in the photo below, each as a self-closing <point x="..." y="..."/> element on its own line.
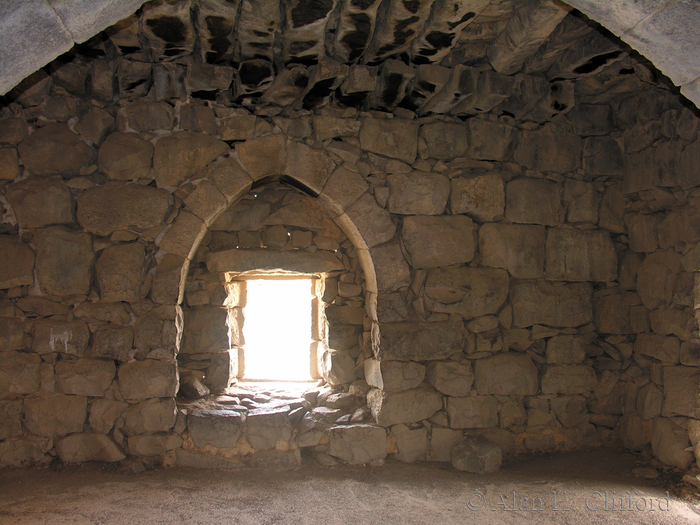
<point x="572" y="488"/>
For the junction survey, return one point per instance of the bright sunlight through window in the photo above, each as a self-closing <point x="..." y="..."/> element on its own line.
<point x="277" y="330"/>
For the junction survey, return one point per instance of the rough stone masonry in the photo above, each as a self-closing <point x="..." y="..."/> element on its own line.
<point x="508" y="247"/>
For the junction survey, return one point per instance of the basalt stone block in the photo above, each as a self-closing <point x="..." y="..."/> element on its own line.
<point x="409" y="406"/>
<point x="444" y="140"/>
<point x="147" y="379"/>
<point x="104" y="413"/>
<point x="418" y="193"/>
<point x="78" y="448"/>
<point x="155" y="331"/>
<point x="183" y="235"/>
<point x="65" y="337"/>
<point x="129" y="205"/>
<point x="13" y="130"/>
<point x="395" y="138"/>
<point x="263" y="156"/>
<point x="533" y="201"/>
<point x="542" y="303"/>
<point x="119" y="270"/>
<point x="420" y="341"/>
<point x="470" y="292"/>
<point x="10" y="419"/>
<point x="150" y="446"/>
<point x="566" y="350"/>
<point x="412" y="444"/>
<point x="357" y="444"/>
<point x="602" y="156"/>
<point x="569" y="379"/>
<point x="55" y="414"/>
<point x="55" y="150"/>
<point x="472" y="412"/>
<point x="506" y="374"/>
<point x="366" y="223"/>
<point x="670" y="443"/>
<point x="216" y="428"/>
<point x="125" y="156"/>
<point x="268" y="427"/>
<point x="342" y="189"/>
<point x="452" y="378"/>
<point x="41" y="201"/>
<point x="154" y="415"/>
<point x="11" y="334"/>
<point x="64" y="261"/>
<point x="393" y="272"/>
<point x="146" y="116"/>
<point x="16" y="264"/>
<point x="393" y="376"/>
<point x="95" y="125"/>
<point x="681" y="391"/>
<point x="518" y="248"/>
<point x="580" y="255"/>
<point x="19" y="373"/>
<point x="478" y="455"/>
<point x="9" y="164"/>
<point x="84" y="377"/>
<point x="490" y="140"/>
<point x="549" y="149"/>
<point x="657" y="277"/>
<point x="482" y="197"/>
<point x="179" y="156"/>
<point x="438" y="241"/>
<point x="308" y="166"/>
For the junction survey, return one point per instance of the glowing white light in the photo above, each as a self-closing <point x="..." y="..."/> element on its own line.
<point x="277" y="330"/>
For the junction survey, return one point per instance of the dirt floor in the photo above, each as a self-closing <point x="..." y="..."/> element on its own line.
<point x="572" y="488"/>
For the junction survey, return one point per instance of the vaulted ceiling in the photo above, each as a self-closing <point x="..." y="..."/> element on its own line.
<point x="456" y="57"/>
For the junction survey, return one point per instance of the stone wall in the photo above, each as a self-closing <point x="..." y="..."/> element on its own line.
<point x="528" y="283"/>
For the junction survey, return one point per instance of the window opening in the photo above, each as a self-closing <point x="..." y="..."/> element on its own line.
<point x="277" y="330"/>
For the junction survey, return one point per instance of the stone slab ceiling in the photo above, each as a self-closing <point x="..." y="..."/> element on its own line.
<point x="390" y="52"/>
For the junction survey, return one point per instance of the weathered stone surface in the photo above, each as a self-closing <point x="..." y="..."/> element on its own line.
<point x="418" y="193"/>
<point x="9" y="164"/>
<point x="263" y="156"/>
<point x="409" y="406"/>
<point x="217" y="428"/>
<point x="20" y="453"/>
<point x="442" y="440"/>
<point x="296" y="261"/>
<point x="64" y="261"/>
<point x="366" y="223"/>
<point x="506" y="374"/>
<point x="391" y="308"/>
<point x="10" y="419"/>
<point x="129" y="205"/>
<point x="549" y="149"/>
<point x="681" y="389"/>
<point x="147" y="379"/>
<point x="472" y="412"/>
<point x="328" y="127"/>
<point x="470" y="292"/>
<point x="119" y="270"/>
<point x="183" y="235"/>
<point x="665" y="349"/>
<point x="179" y="156"/>
<point x="581" y="200"/>
<point x="14" y="130"/>
<point x="542" y="303"/>
<point x="19" y="373"/>
<point x="444" y="140"/>
<point x="338" y="367"/>
<point x="113" y="341"/>
<point x="518" y="248"/>
<point x="84" y="377"/>
<point x="16" y="264"/>
<point x="533" y="201"/>
<point x="41" y="201"/>
<point x="412" y="445"/>
<point x="679" y="226"/>
<point x="145" y="116"/>
<point x="643" y="232"/>
<point x="393" y="376"/>
<point x="490" y="140"/>
<point x="206" y="201"/>
<point x="95" y="124"/>
<point x="103" y="414"/>
<point x="269" y="427"/>
<point x="342" y="188"/>
<point x="656" y="278"/>
<point x="66" y="337"/>
<point x="650" y="402"/>
<point x="602" y="156"/>
<point x="580" y="255"/>
<point x="569" y="379"/>
<point x="154" y="415"/>
<point x="390" y="266"/>
<point x="420" y="341"/>
<point x="308" y="166"/>
<point x="125" y="156"/>
<point x="52" y="415"/>
<point x="78" y="448"/>
<point x="438" y="241"/>
<point x="158" y="331"/>
<point x="395" y="138"/>
<point x="153" y="445"/>
<point x="222" y="370"/>
<point x="566" y="350"/>
<point x="478" y="455"/>
<point x="452" y="378"/>
<point x="669" y="442"/>
<point x="482" y="197"/>
<point x="55" y="150"/>
<point x="632" y="434"/>
<point x="357" y="444"/>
